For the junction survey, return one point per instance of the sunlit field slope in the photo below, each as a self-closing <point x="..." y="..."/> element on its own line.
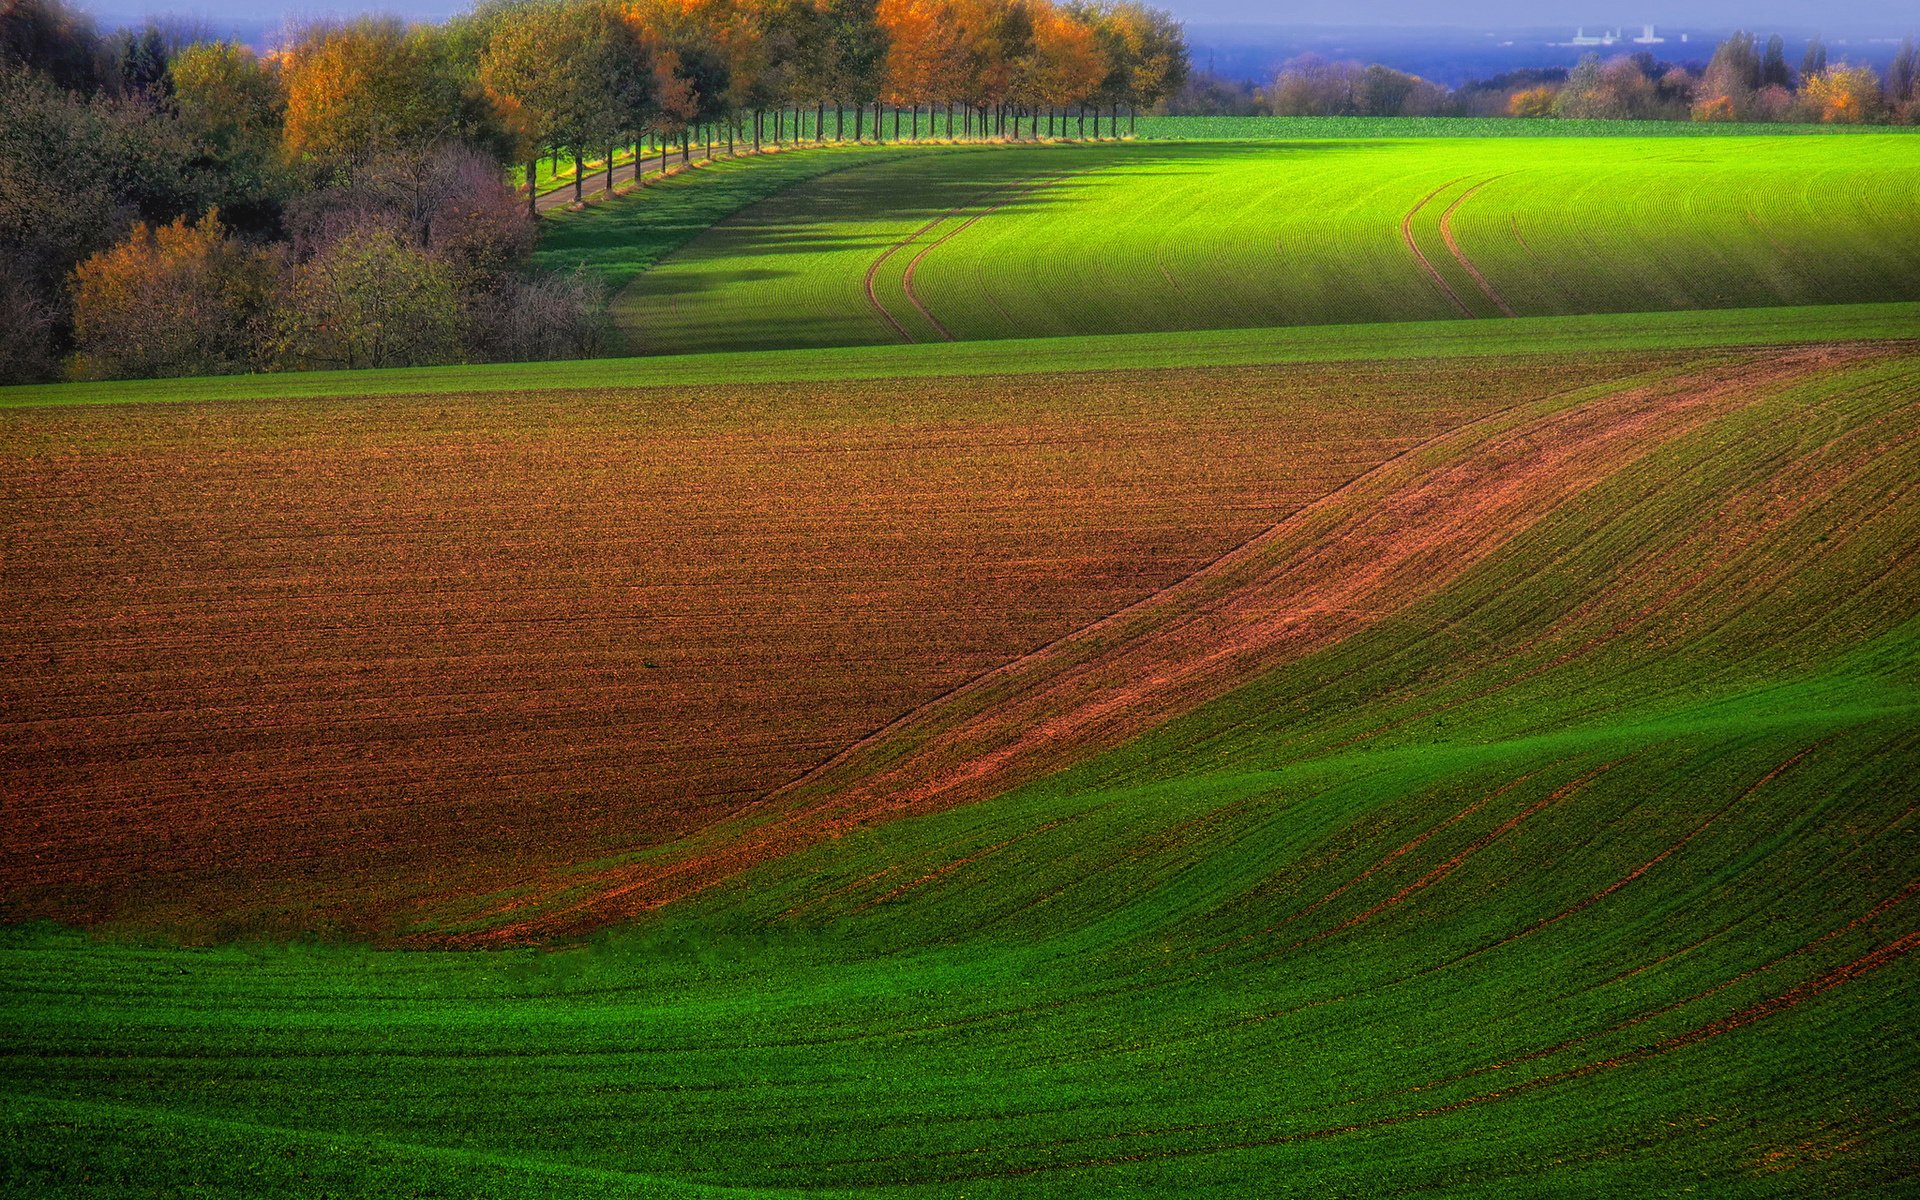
<point x="1467" y="777"/>
<point x="1000" y="242"/>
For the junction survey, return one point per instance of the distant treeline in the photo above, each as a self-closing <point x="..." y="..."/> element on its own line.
<point x="1744" y="81"/>
<point x="170" y="205"/>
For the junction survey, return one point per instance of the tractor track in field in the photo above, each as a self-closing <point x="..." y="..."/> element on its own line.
<point x="1020" y="188"/>
<point x="1426" y="264"/>
<point x="1368" y="549"/>
<point x="873" y="269"/>
<point x="1453" y="247"/>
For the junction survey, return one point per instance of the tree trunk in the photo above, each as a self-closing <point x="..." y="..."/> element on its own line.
<point x="1133" y="118"/>
<point x="533" y="190"/>
<point x="579" y="175"/>
<point x="859" y="122"/>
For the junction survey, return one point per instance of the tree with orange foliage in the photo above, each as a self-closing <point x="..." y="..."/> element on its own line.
<point x="1533" y="102"/>
<point x="1065" y="65"/>
<point x="367" y="87"/>
<point x="690" y="75"/>
<point x="1843" y="95"/>
<point x="180" y="299"/>
<point x="926" y="55"/>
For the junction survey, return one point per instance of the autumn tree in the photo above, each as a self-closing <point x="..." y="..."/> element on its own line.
<point x="1842" y="95"/>
<point x="1903" y="83"/>
<point x="367" y="87"/>
<point x="1814" y="61"/>
<point x="231" y="103"/>
<point x="1616" y="90"/>
<point x="927" y="55"/>
<point x="569" y="75"/>
<point x="853" y="57"/>
<point x="58" y="42"/>
<point x="1064" y="65"/>
<point x="1531" y="102"/>
<point x="181" y="299"/>
<point x="1731" y="81"/>
<point x="690" y="79"/>
<point x="1774" y="71"/>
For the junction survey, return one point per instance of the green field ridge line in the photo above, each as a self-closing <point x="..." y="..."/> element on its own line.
<point x="1893" y="322"/>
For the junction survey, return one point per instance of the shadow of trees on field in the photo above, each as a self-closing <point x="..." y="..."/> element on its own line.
<point x="889" y="200"/>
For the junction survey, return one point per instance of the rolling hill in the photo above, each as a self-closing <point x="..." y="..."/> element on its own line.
<point x="1324" y="668"/>
<point x="1475" y="776"/>
<point x="1002" y="242"/>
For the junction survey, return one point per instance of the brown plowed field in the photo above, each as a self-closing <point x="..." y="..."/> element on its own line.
<point x="1363" y="552"/>
<point x="309" y="664"/>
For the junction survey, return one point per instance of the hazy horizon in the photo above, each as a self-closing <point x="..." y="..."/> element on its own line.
<point x="1885" y="17"/>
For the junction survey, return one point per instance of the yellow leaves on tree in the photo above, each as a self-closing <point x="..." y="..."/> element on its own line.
<point x="1842" y="95"/>
<point x="370" y="86"/>
<point x="181" y="299"/>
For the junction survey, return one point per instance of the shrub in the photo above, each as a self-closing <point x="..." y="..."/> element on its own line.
<point x="177" y="300"/>
<point x="1533" y="102"/>
<point x="1842" y="95"/>
<point x="370" y="300"/>
<point x="542" y="317"/>
<point x="30" y="325"/>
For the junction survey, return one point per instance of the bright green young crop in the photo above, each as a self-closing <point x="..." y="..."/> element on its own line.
<point x="1061" y="240"/>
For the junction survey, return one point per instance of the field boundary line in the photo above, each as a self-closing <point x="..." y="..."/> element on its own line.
<point x="990" y="733"/>
<point x="1460" y="256"/>
<point x="1433" y="273"/>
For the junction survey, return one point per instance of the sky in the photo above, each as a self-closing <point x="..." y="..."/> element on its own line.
<point x="1892" y="16"/>
<point x="1248" y="38"/>
<point x="1535" y="14"/>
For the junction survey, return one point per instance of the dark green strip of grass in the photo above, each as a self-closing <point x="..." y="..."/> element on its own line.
<point x="1585" y="334"/>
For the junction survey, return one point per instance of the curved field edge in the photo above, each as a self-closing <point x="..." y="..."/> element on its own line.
<point x="1591" y="872"/>
<point x="1582" y="334"/>
<point x="615" y="242"/>
<point x="1322" y="576"/>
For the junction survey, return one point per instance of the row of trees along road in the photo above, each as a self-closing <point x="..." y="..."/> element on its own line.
<point x="582" y="76"/>
<point x="150" y="180"/>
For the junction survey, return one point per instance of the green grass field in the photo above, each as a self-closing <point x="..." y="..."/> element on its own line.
<point x="1287" y="128"/>
<point x="1323" y="736"/>
<point x="1003" y="242"/>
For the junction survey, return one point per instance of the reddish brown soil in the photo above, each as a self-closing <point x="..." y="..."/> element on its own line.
<point x="1385" y="541"/>
<point x="287" y="665"/>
